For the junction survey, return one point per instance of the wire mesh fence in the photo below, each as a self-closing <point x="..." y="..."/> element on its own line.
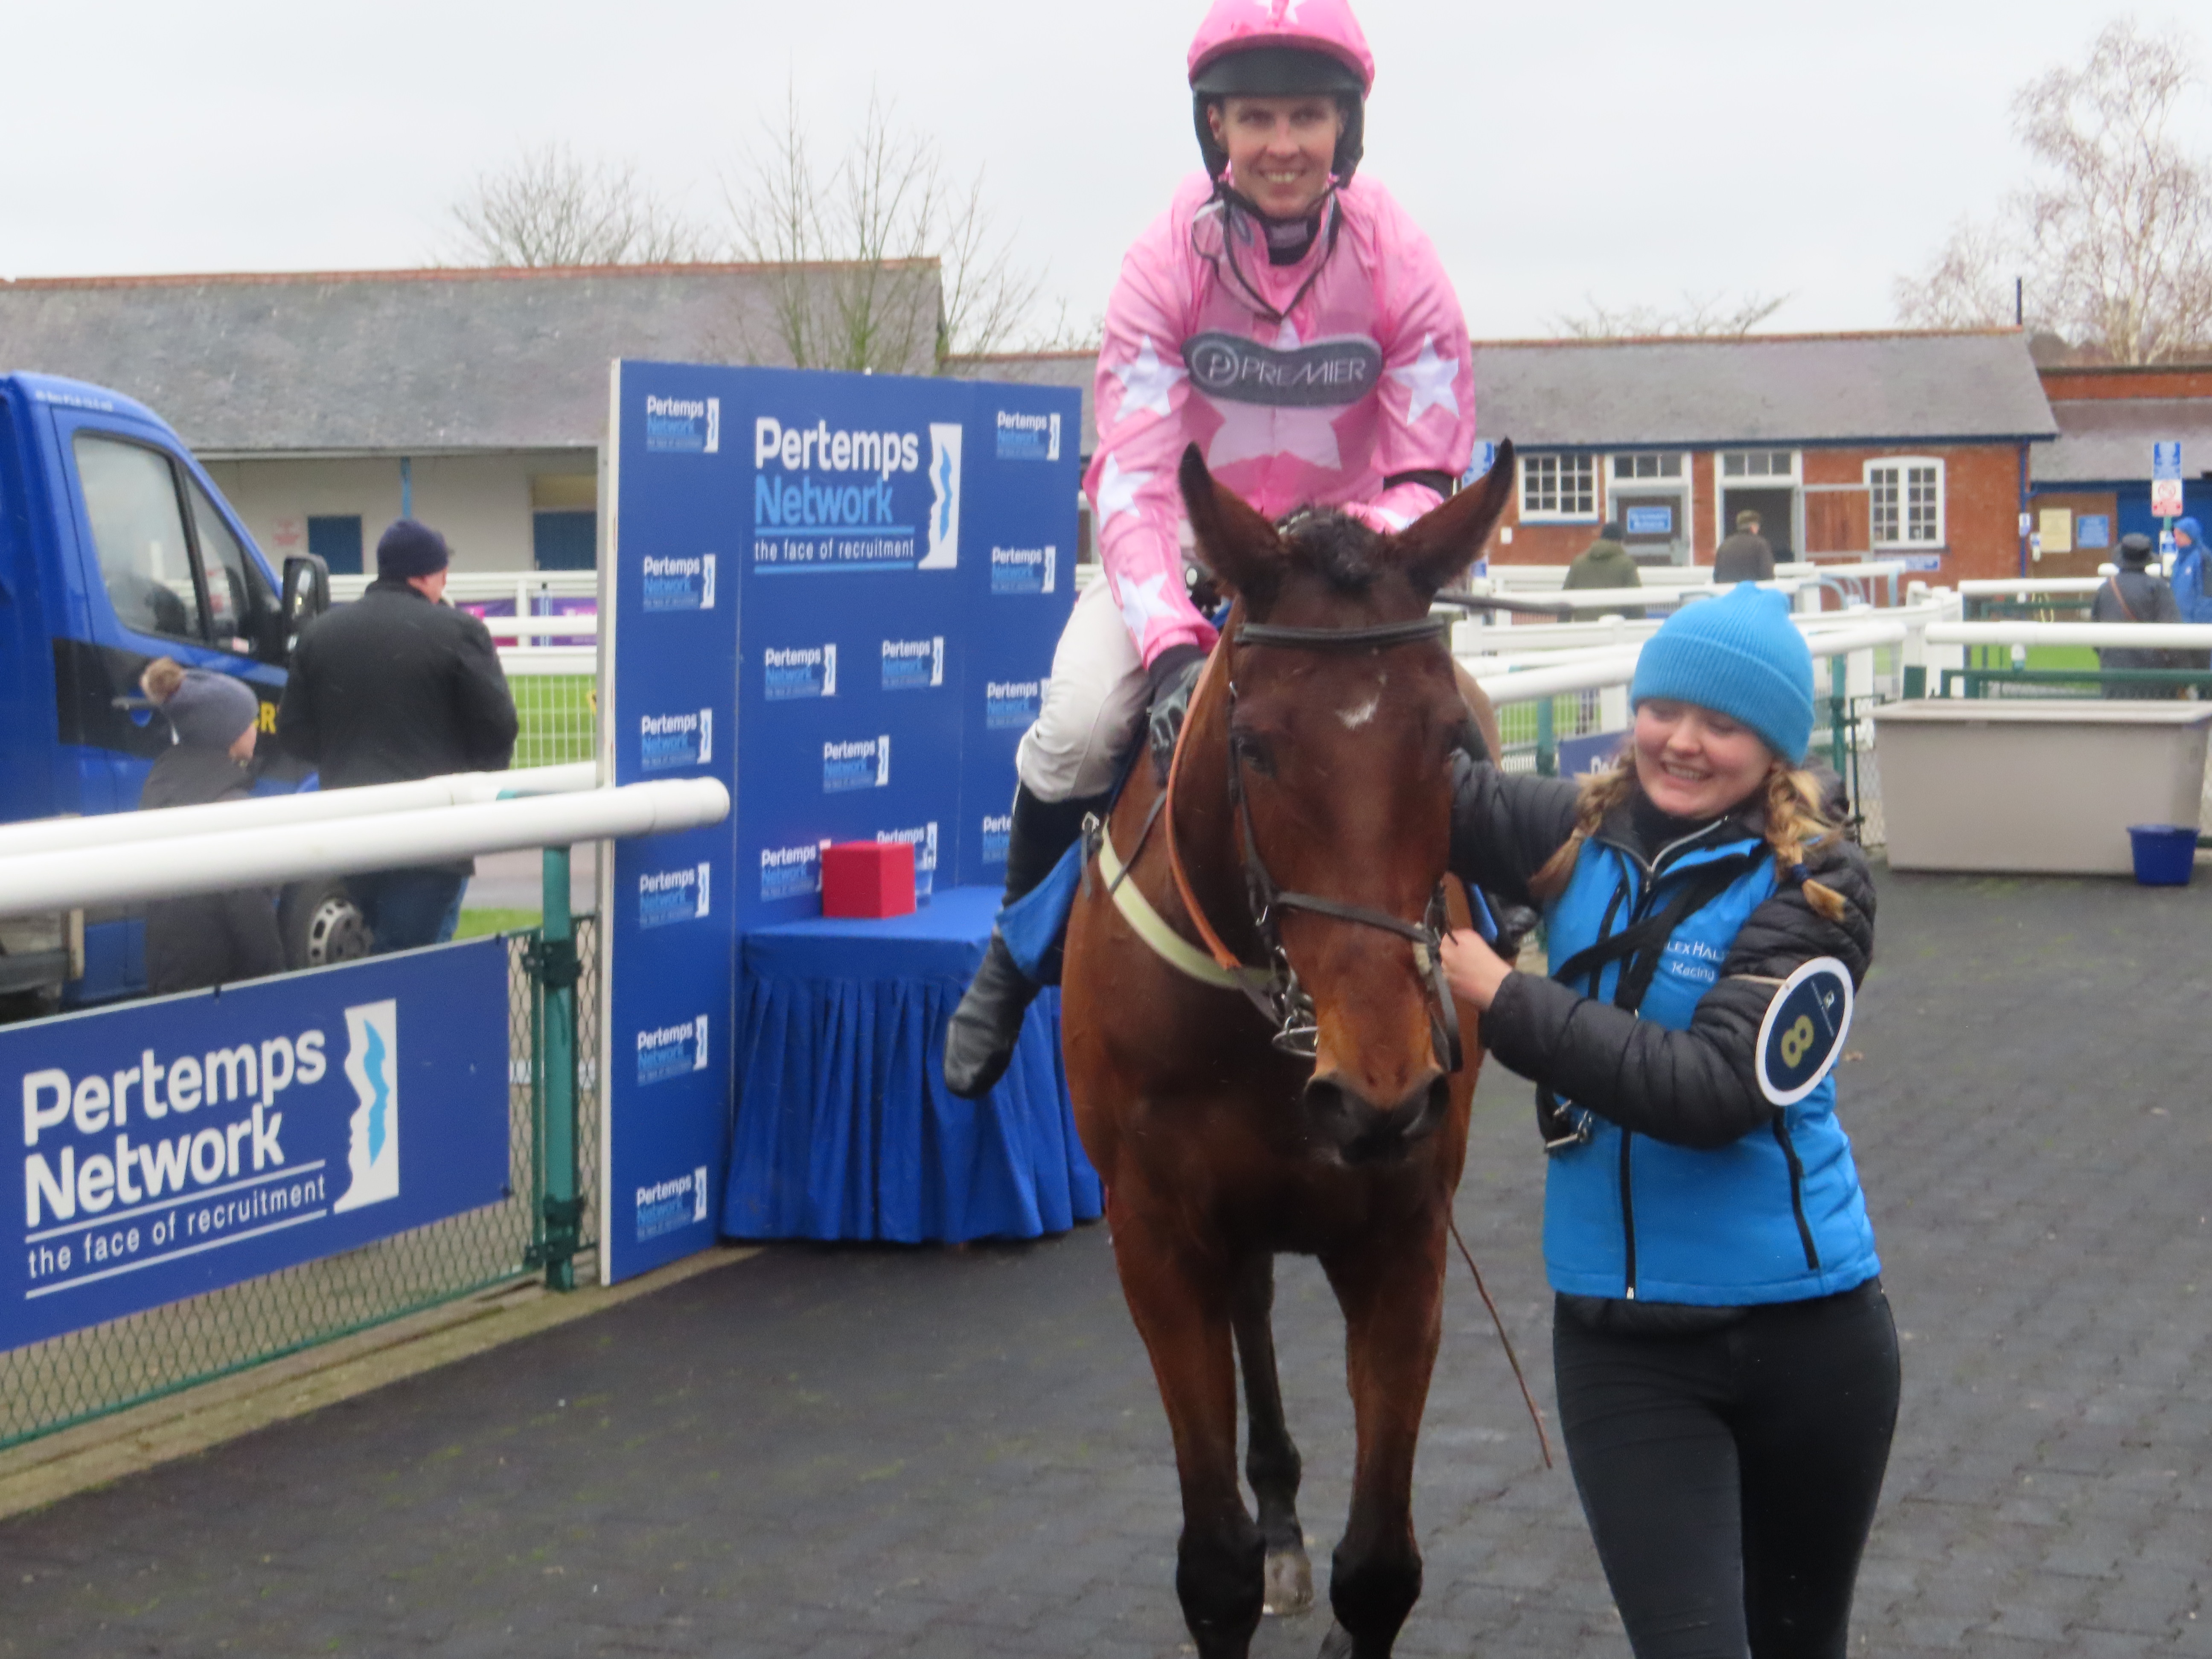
<point x="125" y="1362"/>
<point x="558" y="715"/>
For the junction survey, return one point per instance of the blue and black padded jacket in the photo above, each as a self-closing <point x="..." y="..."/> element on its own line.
<point x="1692" y="1188"/>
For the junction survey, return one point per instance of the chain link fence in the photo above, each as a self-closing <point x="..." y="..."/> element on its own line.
<point x="107" y="1368"/>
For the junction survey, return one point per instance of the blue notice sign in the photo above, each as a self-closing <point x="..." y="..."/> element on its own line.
<point x="2093" y="529"/>
<point x="1651" y="520"/>
<point x="175" y="1146"/>
<point x="2165" y="460"/>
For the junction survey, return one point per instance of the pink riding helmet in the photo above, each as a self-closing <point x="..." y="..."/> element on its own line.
<point x="1276" y="48"/>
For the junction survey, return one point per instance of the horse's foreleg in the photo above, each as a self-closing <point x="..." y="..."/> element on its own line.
<point x="1181" y="1308"/>
<point x="1392" y="1293"/>
<point x="1271" y="1460"/>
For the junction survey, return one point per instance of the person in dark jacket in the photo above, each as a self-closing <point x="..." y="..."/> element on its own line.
<point x="1606" y="563"/>
<point x="1727" y="1363"/>
<point x="2135" y="593"/>
<point x="208" y="939"/>
<point x="395" y="687"/>
<point x="1745" y="556"/>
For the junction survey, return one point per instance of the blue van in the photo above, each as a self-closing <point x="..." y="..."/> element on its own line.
<point x="116" y="548"/>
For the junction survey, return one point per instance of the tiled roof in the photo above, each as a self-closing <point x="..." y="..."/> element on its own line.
<point x="396" y="361"/>
<point x="1761" y="389"/>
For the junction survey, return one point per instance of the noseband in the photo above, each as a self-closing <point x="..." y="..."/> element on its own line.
<point x="1280" y="998"/>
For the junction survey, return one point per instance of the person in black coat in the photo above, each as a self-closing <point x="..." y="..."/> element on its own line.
<point x="2134" y="594"/>
<point x="1745" y="556"/>
<point x="209" y="938"/>
<point x="396" y="687"/>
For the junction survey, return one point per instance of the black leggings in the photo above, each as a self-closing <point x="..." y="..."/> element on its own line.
<point x="1730" y="1476"/>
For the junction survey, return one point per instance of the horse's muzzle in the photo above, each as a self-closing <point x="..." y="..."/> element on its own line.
<point x="1360" y="1132"/>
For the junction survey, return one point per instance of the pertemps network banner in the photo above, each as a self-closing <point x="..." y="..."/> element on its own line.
<point x="839" y="593"/>
<point x="172" y="1147"/>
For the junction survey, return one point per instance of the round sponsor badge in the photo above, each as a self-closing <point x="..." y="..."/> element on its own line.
<point x="1801" y="1038"/>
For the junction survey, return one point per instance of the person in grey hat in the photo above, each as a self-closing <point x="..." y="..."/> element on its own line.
<point x="2135" y="593"/>
<point x="396" y="687"/>
<point x="1745" y="556"/>
<point x="208" y="939"/>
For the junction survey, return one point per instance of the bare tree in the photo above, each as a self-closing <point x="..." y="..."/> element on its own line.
<point x="2114" y="238"/>
<point x="1714" y="316"/>
<point x="549" y="208"/>
<point x="1970" y="283"/>
<point x="871" y="230"/>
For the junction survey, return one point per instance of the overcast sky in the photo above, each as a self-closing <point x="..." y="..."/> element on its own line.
<point x="1620" y="149"/>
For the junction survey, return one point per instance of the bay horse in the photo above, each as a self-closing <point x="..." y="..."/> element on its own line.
<point x="1263" y="1055"/>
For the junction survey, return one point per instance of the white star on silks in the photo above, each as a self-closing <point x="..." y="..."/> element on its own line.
<point x="1255" y="432"/>
<point x="1146" y="381"/>
<point x="1117" y="491"/>
<point x="1429" y="378"/>
<point x="1141" y="602"/>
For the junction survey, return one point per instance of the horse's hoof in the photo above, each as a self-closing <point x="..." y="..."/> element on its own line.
<point x="1337" y="1645"/>
<point x="1290" y="1583"/>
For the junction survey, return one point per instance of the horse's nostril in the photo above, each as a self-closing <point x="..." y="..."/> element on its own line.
<point x="1343" y="1117"/>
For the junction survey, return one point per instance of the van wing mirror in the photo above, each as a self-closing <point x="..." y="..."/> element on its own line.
<point x="306" y="592"/>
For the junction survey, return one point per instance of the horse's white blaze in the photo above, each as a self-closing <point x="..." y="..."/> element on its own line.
<point x="1360" y="713"/>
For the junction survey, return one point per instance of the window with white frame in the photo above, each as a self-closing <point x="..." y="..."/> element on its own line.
<point x="1760" y="464"/>
<point x="1905" y="502"/>
<point x="1627" y="469"/>
<point x="1558" y="487"/>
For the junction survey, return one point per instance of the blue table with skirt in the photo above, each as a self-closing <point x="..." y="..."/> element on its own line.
<point x="844" y="1128"/>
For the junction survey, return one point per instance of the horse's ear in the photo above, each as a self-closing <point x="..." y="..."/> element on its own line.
<point x="1236" y="544"/>
<point x="1442" y="542"/>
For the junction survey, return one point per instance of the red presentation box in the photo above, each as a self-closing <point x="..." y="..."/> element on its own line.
<point x="868" y="878"/>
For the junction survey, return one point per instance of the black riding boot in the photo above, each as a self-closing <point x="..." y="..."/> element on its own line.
<point x="979" y="1043"/>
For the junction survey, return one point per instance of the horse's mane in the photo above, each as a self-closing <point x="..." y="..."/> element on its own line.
<point x="1334" y="546"/>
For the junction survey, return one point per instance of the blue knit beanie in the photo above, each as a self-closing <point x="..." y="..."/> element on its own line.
<point x="409" y="549"/>
<point x="1740" y="656"/>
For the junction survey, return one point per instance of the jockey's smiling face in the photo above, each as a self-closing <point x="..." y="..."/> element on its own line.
<point x="1280" y="149"/>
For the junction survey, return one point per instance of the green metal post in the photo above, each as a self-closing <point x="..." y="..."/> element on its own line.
<point x="1915" y="683"/>
<point x="557" y="968"/>
<point x="1839" y="682"/>
<point x="1547" y="744"/>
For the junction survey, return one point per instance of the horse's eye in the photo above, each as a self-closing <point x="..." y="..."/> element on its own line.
<point x="1253" y="752"/>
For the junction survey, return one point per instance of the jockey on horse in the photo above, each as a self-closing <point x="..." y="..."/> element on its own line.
<point x="1294" y="322"/>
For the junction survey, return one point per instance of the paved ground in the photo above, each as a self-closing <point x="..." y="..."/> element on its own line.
<point x="516" y="881"/>
<point x="827" y="1453"/>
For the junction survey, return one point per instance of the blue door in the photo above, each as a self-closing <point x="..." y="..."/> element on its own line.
<point x="336" y="543"/>
<point x="566" y="541"/>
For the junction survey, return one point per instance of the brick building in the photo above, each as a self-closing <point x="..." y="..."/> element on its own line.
<point x="1850" y="445"/>
<point x="2093" y="486"/>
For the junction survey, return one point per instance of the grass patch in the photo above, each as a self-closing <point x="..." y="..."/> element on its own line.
<point x="476" y="924"/>
<point x="2061" y="656"/>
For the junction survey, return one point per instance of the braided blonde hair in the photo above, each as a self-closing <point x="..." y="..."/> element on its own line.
<point x="1796" y="824"/>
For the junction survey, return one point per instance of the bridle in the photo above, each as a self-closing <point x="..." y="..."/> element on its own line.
<point x="1280" y="998"/>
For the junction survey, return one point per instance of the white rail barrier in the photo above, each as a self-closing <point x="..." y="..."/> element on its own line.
<point x="271" y="811"/>
<point x="544" y="627"/>
<point x="2008" y="589"/>
<point x="478" y="586"/>
<point x="81" y="876"/>
<point x="563" y="660"/>
<point x="2142" y="636"/>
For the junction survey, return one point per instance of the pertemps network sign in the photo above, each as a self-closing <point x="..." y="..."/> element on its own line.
<point x="826" y="499"/>
<point x="170" y="1147"/>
